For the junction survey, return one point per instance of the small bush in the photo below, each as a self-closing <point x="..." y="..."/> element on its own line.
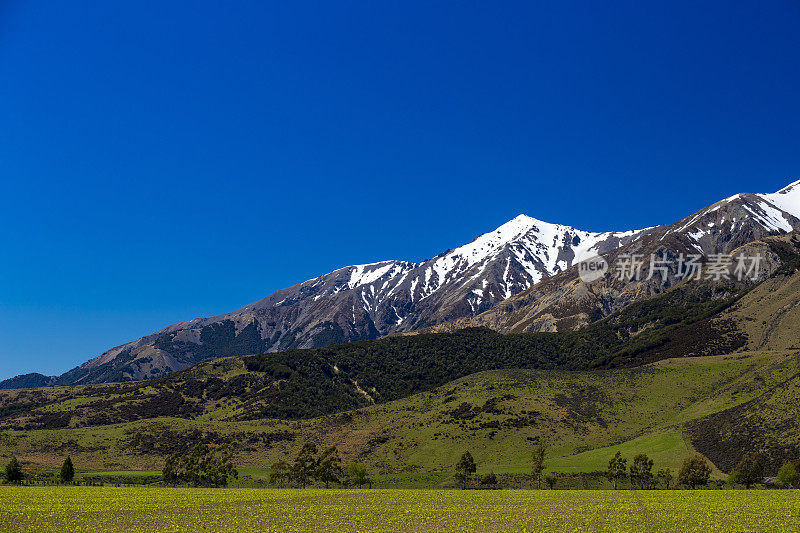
<point x="489" y="479"/>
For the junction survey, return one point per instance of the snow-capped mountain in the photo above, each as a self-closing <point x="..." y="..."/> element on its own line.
<point x="563" y="301"/>
<point x="365" y="301"/>
<point x="368" y="301"/>
<point x="740" y="219"/>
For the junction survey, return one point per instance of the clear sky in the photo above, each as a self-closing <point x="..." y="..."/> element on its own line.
<point x="161" y="161"/>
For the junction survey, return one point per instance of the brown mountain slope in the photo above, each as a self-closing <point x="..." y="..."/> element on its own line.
<point x="565" y="302"/>
<point x="770" y="314"/>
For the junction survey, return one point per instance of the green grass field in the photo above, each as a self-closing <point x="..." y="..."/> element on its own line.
<point x="77" y="509"/>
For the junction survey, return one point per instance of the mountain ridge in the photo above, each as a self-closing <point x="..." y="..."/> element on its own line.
<point x="368" y="301"/>
<point x="453" y="289"/>
<point x="565" y="301"/>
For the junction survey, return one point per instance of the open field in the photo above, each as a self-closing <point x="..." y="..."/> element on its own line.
<point x="166" y="510"/>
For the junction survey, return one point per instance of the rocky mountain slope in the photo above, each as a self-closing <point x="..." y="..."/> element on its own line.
<point x="566" y="302"/>
<point x="687" y="320"/>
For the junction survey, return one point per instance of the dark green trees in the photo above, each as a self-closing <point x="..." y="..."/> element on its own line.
<point x="617" y="467"/>
<point x="14" y="472"/>
<point x="750" y="469"/>
<point x="329" y="466"/>
<point x="278" y="473"/>
<point x="642" y="471"/>
<point x="67" y="472"/>
<point x="489" y="479"/>
<point x="204" y="466"/>
<point x="305" y="465"/>
<point x="537" y="464"/>
<point x="169" y="474"/>
<point x="664" y="477"/>
<point x="694" y="472"/>
<point x="465" y="468"/>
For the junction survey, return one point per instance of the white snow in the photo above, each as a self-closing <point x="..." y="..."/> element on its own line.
<point x="533" y="243"/>
<point x="399" y="318"/>
<point x="697" y="234"/>
<point x="787" y="199"/>
<point x="510" y="259"/>
<point x="370" y="273"/>
<point x="414" y="283"/>
<point x="770" y="217"/>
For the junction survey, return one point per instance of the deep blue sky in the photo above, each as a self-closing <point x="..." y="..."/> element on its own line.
<point x="161" y="161"/>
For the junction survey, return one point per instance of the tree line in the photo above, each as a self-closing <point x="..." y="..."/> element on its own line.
<point x="207" y="466"/>
<point x="397" y="367"/>
<point x="695" y="472"/>
<point x="212" y="466"/>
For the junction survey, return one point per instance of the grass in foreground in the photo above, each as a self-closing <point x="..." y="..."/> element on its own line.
<point x="78" y="509"/>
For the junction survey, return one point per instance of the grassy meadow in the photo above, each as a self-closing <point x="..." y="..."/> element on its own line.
<point x="82" y="509"/>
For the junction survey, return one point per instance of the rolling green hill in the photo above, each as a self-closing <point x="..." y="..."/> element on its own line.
<point x="581" y="416"/>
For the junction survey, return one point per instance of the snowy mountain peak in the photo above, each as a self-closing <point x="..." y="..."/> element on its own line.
<point x="518" y="225"/>
<point x="764" y="213"/>
<point x="786" y="199"/>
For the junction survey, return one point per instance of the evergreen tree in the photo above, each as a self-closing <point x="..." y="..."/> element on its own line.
<point x="305" y="464"/>
<point x="465" y="468"/>
<point x="278" y="473"/>
<point x="665" y="477"/>
<point x="329" y="466"/>
<point x="169" y="474"/>
<point x="14" y="472"/>
<point x="67" y="473"/>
